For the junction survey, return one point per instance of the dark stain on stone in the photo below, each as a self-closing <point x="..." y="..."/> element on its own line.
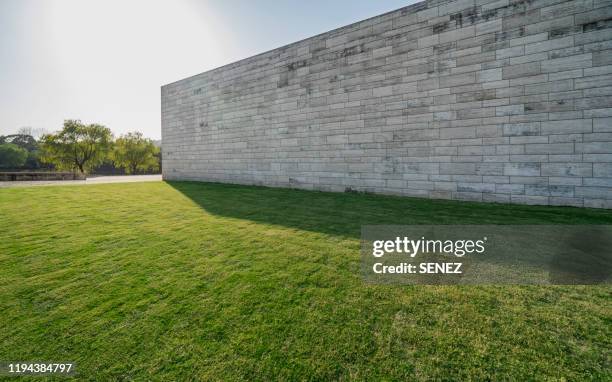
<point x="284" y="80"/>
<point x="352" y="50"/>
<point x="485" y="95"/>
<point x="559" y="32"/>
<point x="502" y="36"/>
<point x="443" y="48"/>
<point x="490" y="14"/>
<point x="394" y="40"/>
<point x="471" y="15"/>
<point x="493" y="46"/>
<point x="458" y="19"/>
<point x="507" y="10"/>
<point x="508" y="35"/>
<point x="297" y="64"/>
<point x="597" y="25"/>
<point x="440" y="27"/>
<point x="335" y="78"/>
<point x="439" y="66"/>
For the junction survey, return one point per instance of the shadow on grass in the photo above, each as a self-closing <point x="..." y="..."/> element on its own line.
<point x="344" y="213"/>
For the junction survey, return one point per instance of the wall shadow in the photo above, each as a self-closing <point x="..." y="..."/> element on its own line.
<point x="559" y="257"/>
<point x="343" y="214"/>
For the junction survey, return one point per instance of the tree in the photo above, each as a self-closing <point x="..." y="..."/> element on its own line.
<point x="33" y="161"/>
<point x="77" y="146"/>
<point x="12" y="156"/>
<point x="25" y="141"/>
<point x="135" y="153"/>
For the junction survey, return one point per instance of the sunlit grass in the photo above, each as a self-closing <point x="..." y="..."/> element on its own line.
<point x="206" y="281"/>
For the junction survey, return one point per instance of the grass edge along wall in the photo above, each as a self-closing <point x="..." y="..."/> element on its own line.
<point x="497" y="101"/>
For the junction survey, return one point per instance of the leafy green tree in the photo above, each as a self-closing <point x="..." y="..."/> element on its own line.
<point x="33" y="161"/>
<point x="12" y="156"/>
<point x="135" y="153"/>
<point x="77" y="146"/>
<point x="25" y="141"/>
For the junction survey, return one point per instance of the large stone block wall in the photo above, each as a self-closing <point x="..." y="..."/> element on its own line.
<point x="502" y="101"/>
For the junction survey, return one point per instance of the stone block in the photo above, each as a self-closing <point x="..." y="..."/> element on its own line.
<point x="568" y="63"/>
<point x="567" y="126"/>
<point x="522" y="169"/>
<point x="567" y="169"/>
<point x="458" y="79"/>
<point x="602" y="58"/>
<point x="521" y="70"/>
<point x="602" y="125"/>
<point x="602" y="170"/>
<point x="594" y="15"/>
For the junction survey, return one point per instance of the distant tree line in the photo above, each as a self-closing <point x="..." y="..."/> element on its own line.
<point x="20" y="150"/>
<point x="79" y="147"/>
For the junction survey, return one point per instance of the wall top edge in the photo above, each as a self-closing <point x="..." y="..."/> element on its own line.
<point x="412" y="8"/>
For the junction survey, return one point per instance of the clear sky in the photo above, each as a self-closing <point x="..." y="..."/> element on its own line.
<point x="104" y="61"/>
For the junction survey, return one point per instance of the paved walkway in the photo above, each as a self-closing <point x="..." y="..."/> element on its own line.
<point x="93" y="180"/>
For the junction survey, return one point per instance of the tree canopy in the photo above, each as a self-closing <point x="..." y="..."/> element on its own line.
<point x="135" y="153"/>
<point x="25" y="141"/>
<point x="12" y="156"/>
<point x="77" y="146"/>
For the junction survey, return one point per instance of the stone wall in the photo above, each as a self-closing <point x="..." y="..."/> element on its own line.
<point x="501" y="101"/>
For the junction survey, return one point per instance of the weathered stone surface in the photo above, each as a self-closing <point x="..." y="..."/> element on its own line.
<point x="487" y="100"/>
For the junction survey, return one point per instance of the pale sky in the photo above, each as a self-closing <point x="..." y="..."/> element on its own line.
<point x="104" y="61"/>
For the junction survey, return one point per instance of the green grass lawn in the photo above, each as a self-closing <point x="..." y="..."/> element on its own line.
<point x="177" y="281"/>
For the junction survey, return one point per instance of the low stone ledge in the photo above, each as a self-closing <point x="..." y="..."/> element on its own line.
<point x="29" y="176"/>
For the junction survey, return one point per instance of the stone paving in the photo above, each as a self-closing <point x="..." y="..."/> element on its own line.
<point x="92" y="180"/>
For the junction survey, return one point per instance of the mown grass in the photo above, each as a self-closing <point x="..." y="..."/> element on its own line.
<point x="195" y="281"/>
